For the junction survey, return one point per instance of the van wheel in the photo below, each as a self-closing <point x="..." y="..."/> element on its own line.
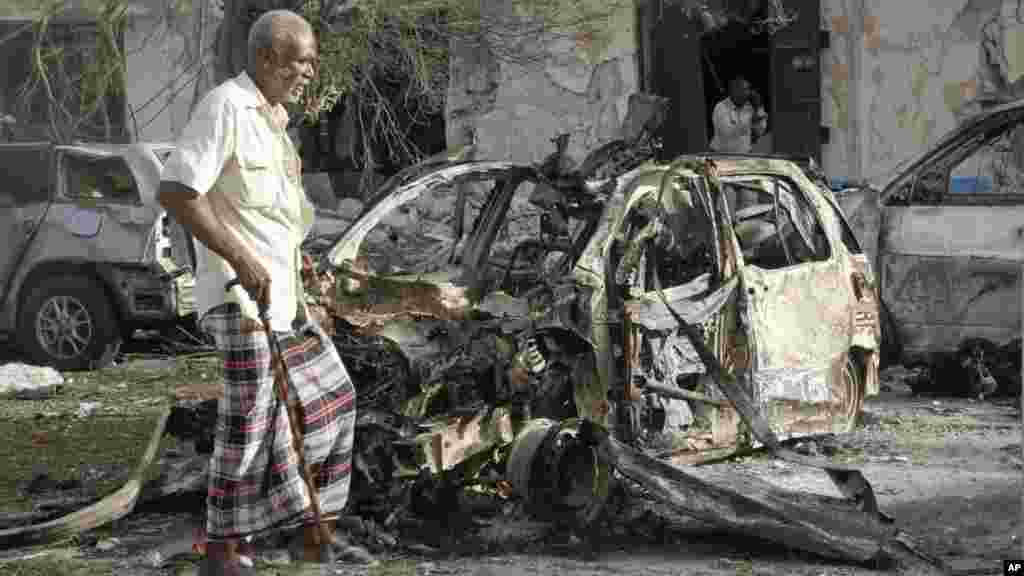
<point x="68" y="322"/>
<point x="854" y="382"/>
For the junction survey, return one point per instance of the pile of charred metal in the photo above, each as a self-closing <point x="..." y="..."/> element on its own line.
<point x="468" y="397"/>
<point x="977" y="369"/>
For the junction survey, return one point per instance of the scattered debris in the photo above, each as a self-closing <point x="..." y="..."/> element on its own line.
<point x="107" y="510"/>
<point x="85" y="409"/>
<point x="745" y="504"/>
<point x="25" y="381"/>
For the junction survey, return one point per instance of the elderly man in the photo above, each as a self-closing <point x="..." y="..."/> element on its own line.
<point x="234" y="183"/>
<point x="738" y="120"/>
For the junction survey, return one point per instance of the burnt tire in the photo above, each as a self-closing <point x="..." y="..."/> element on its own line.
<point x="854" y="384"/>
<point x="68" y="322"/>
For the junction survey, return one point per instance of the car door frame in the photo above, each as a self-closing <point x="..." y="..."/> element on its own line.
<point x="942" y="289"/>
<point x="646" y="309"/>
<point x="810" y="369"/>
<point x="24" y="228"/>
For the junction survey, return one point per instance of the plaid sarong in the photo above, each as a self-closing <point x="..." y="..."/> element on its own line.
<point x="254" y="486"/>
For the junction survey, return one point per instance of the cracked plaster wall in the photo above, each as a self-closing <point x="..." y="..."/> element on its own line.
<point x="898" y="75"/>
<point x="511" y="109"/>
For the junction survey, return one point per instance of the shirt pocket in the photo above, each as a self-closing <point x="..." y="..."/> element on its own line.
<point x="260" y="176"/>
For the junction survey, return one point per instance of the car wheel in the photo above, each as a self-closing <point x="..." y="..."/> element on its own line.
<point x="854" y="382"/>
<point x="69" y="323"/>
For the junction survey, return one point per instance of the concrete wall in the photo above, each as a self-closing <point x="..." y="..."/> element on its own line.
<point x="163" y="48"/>
<point x="512" y="108"/>
<point x="898" y="75"/>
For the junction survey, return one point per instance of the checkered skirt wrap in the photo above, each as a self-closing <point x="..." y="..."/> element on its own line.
<point x="254" y="482"/>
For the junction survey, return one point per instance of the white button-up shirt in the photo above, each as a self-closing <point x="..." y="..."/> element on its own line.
<point x="733" y="126"/>
<point x="235" y="150"/>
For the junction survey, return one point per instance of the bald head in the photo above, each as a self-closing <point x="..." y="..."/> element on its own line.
<point x="282" y="54"/>
<point x="275" y="28"/>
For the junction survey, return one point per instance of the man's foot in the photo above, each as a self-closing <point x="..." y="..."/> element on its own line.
<point x="246" y="553"/>
<point x="301" y="548"/>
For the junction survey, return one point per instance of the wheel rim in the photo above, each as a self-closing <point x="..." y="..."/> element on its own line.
<point x="64" y="327"/>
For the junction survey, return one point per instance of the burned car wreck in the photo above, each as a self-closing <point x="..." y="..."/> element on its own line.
<point x="950" y="285"/>
<point x="536" y="332"/>
<point x="561" y="309"/>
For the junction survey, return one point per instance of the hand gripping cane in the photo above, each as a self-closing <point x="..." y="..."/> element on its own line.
<point x="321" y="537"/>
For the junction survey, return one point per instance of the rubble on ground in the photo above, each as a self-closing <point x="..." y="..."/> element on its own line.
<point x="26" y="381"/>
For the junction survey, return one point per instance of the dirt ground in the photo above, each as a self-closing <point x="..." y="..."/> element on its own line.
<point x="949" y="471"/>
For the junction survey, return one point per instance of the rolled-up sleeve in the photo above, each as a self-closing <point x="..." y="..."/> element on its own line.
<point x="205" y="145"/>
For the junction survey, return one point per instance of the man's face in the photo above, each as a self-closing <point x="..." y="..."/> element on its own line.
<point x="290" y="66"/>
<point x="739" y="92"/>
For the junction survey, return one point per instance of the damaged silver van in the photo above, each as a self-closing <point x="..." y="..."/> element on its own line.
<point x="90" y="256"/>
<point x="947" y="237"/>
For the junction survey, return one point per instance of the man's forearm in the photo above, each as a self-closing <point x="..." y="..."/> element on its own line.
<point x="193" y="212"/>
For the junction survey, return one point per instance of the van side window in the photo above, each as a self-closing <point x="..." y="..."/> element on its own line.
<point x="106" y="179"/>
<point x="997" y="167"/>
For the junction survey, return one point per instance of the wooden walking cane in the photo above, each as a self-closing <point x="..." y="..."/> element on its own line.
<point x="320" y="537"/>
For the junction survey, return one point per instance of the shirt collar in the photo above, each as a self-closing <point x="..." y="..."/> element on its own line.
<point x="733" y="105"/>
<point x="253" y="98"/>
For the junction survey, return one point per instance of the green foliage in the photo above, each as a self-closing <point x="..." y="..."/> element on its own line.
<point x="408" y="43"/>
<point x="74" y="67"/>
<point x="104" y="74"/>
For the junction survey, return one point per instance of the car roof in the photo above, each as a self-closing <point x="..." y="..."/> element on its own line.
<point x="729" y="164"/>
<point x="966" y="125"/>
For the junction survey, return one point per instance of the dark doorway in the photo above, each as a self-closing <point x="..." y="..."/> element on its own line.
<point x="670" y="43"/>
<point x="692" y="69"/>
<point x="734" y="51"/>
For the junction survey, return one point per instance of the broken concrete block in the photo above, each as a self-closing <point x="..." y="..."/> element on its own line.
<point x="28" y="382"/>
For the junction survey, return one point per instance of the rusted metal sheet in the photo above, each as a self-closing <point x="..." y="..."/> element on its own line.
<point x="801" y="322"/>
<point x="457" y="439"/>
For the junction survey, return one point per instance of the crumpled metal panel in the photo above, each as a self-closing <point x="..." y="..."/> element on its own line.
<point x="945" y="278"/>
<point x="939" y="302"/>
<point x="691" y="301"/>
<point x="952" y="230"/>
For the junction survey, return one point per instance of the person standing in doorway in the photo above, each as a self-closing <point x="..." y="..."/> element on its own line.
<point x="738" y="120"/>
